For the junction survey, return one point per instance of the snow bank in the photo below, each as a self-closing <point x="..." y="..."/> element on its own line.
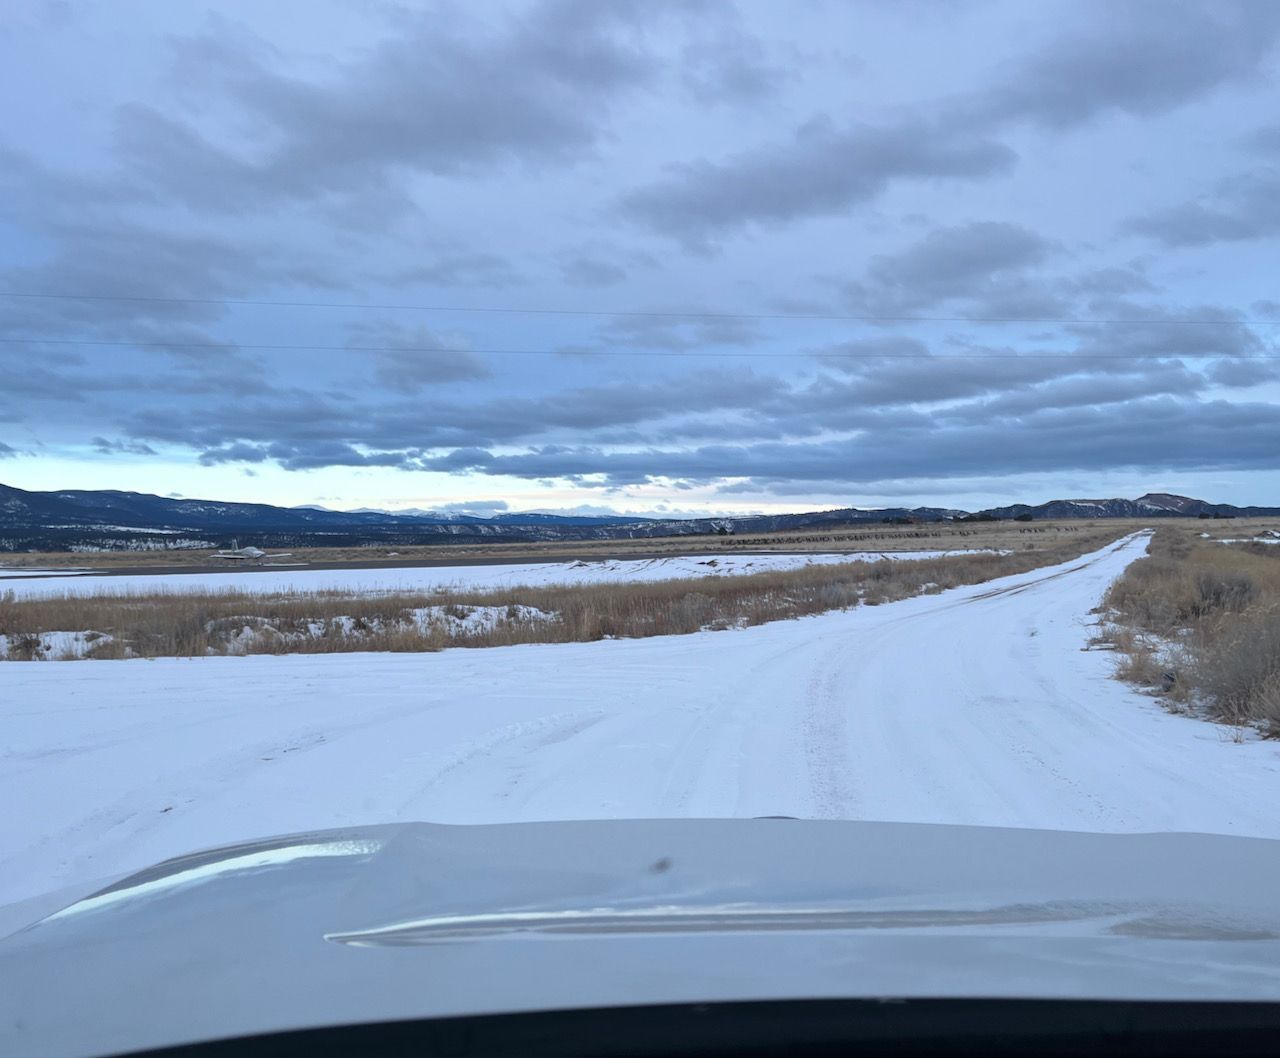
<point x="474" y="620"/>
<point x="52" y="646"/>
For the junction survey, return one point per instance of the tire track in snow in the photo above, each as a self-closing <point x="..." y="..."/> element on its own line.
<point x="826" y="744"/>
<point x="733" y="707"/>
<point x="526" y="737"/>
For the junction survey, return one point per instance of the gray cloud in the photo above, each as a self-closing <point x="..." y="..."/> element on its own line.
<point x="411" y="358"/>
<point x="458" y="460"/>
<point x="883" y="398"/>
<point x="1092" y="390"/>
<point x="1264" y="141"/>
<point x="437" y="96"/>
<point x="415" y="369"/>
<point x="1168" y="333"/>
<point x="125" y="259"/>
<point x="34" y="373"/>
<point x="462" y="270"/>
<point x="992" y="270"/>
<point x="234" y="453"/>
<point x="583" y="271"/>
<point x="119" y="447"/>
<point x="851" y="355"/>
<point x="600" y="263"/>
<point x="1138" y="57"/>
<point x="989" y="385"/>
<point x="1242" y="207"/>
<point x="930" y="380"/>
<point x="310" y="455"/>
<point x="294" y="424"/>
<point x="982" y="261"/>
<point x="676" y="333"/>
<point x="821" y="171"/>
<point x="139" y="276"/>
<point x="730" y="66"/>
<point x="1110" y="282"/>
<point x="1243" y="373"/>
<point x="1160" y="432"/>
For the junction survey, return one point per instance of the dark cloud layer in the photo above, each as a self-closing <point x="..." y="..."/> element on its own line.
<point x="940" y="403"/>
<point x="1156" y="433"/>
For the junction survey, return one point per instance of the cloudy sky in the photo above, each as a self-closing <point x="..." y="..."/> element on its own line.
<point x="641" y="255"/>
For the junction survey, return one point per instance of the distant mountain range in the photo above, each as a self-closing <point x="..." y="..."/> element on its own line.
<point x="108" y="520"/>
<point x="1152" y="505"/>
<point x="504" y="518"/>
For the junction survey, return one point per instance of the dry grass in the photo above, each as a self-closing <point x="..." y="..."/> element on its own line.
<point x="928" y="536"/>
<point x="1201" y="620"/>
<point x="237" y="622"/>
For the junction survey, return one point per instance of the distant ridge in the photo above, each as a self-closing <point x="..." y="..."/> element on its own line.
<point x="1152" y="505"/>
<point x="75" y="519"/>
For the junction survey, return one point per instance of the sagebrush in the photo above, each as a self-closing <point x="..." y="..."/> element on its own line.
<point x="1201" y="621"/>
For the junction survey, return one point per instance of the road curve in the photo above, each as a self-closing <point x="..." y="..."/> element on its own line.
<point x="977" y="705"/>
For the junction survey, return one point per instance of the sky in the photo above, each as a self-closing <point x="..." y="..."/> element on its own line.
<point x="649" y="256"/>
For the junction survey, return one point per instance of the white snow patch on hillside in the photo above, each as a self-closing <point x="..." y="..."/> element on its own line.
<point x="119" y="529"/>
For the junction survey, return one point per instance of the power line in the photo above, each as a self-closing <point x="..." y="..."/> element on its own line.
<point x="645" y="314"/>
<point x="609" y="353"/>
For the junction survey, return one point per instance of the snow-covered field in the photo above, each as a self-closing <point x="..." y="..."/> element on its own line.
<point x="978" y="705"/>
<point x="266" y="579"/>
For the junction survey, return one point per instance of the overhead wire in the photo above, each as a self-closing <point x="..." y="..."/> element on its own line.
<point x="673" y="314"/>
<point x="569" y="352"/>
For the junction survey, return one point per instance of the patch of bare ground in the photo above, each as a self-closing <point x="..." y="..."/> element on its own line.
<point x="240" y="622"/>
<point x="1197" y="621"/>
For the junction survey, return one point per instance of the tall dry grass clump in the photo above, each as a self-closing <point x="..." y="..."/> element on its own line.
<point x="1201" y="620"/>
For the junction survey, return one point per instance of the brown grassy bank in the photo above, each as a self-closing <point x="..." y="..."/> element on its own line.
<point x="1199" y="621"/>
<point x="238" y="622"/>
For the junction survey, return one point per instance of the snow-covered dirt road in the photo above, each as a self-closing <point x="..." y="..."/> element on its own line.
<point x="977" y="705"/>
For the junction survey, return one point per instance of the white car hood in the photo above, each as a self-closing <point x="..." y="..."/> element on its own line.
<point x="424" y="920"/>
